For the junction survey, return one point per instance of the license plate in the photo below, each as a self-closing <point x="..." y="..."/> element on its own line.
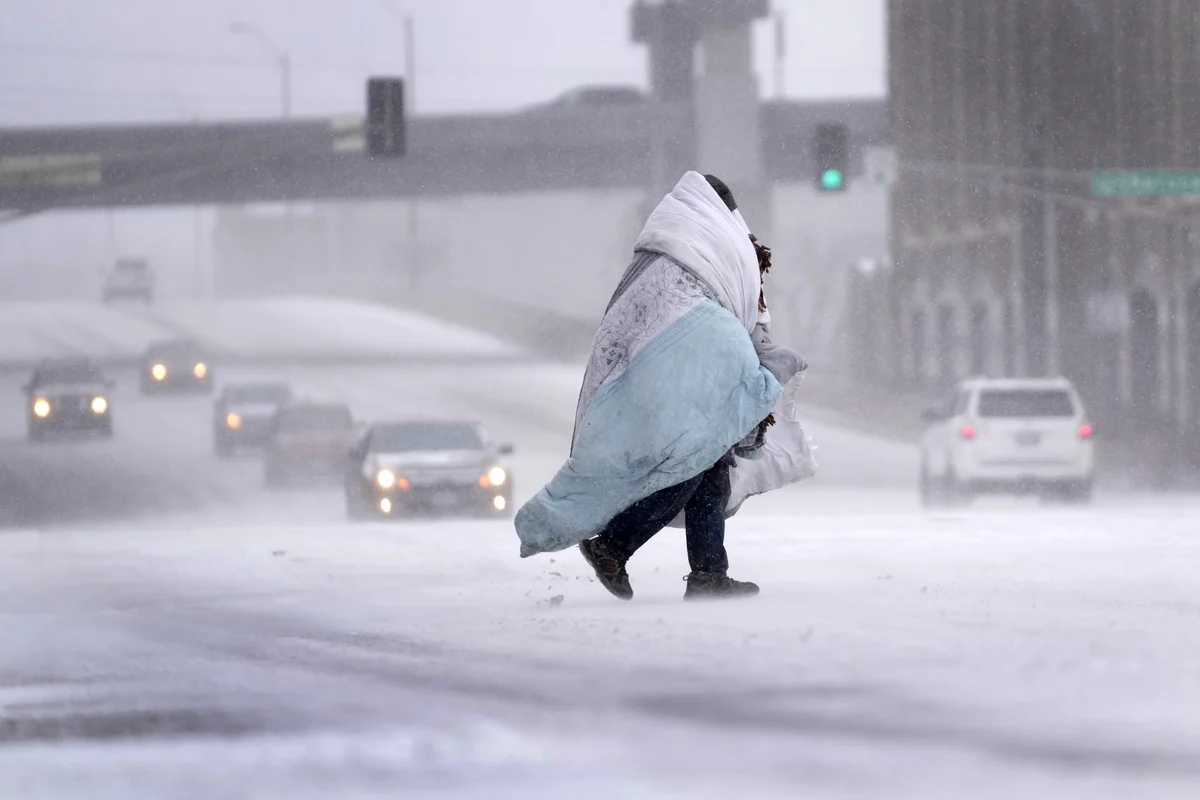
<point x="1029" y="438"/>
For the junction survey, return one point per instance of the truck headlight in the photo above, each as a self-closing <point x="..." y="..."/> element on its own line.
<point x="386" y="479"/>
<point x="234" y="421"/>
<point x="497" y="476"/>
<point x="159" y="372"/>
<point x="200" y="370"/>
<point x="99" y="405"/>
<point x="41" y="408"/>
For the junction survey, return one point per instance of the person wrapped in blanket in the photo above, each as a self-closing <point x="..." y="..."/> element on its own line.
<point x="680" y="404"/>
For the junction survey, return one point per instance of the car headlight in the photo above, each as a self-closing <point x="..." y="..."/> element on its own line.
<point x="99" y="405"/>
<point x="200" y="370"/>
<point x="497" y="476"/>
<point x="41" y="407"/>
<point x="159" y="372"/>
<point x="234" y="421"/>
<point x="386" y="479"/>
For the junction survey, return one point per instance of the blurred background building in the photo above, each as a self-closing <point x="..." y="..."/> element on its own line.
<point x="1009" y="259"/>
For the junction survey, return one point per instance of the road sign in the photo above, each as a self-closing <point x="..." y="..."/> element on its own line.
<point x="349" y="133"/>
<point x="1146" y="183"/>
<point x="75" y="169"/>
<point x="879" y="165"/>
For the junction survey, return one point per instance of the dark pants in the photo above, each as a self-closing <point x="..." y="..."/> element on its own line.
<point x="702" y="501"/>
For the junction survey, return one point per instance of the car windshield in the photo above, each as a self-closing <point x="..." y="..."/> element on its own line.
<point x="316" y="418"/>
<point x="68" y="372"/>
<point x="425" y="437"/>
<point x="1026" y="403"/>
<point x="180" y="350"/>
<point x="258" y="393"/>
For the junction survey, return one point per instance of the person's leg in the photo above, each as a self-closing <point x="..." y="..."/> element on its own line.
<point x="705" y="518"/>
<point x="629" y="530"/>
<point x="636" y="525"/>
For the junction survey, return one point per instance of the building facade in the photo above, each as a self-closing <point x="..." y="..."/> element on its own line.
<point x="1006" y="263"/>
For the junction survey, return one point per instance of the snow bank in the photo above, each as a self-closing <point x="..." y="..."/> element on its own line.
<point x="322" y="328"/>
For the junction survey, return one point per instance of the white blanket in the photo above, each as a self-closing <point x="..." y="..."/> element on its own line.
<point x="693" y="226"/>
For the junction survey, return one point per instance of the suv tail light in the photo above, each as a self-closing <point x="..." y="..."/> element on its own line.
<point x="967" y="432"/>
<point x="1086" y="430"/>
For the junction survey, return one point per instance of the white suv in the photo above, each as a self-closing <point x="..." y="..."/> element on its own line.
<point x="1013" y="436"/>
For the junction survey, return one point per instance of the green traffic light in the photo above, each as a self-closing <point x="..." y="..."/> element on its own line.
<point x="832" y="179"/>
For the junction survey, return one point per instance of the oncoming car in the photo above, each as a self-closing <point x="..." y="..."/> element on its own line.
<point x="1008" y="436"/>
<point x="179" y="365"/>
<point x="69" y="395"/>
<point x="129" y="277"/>
<point x="427" y="467"/>
<point x="307" y="440"/>
<point x="242" y="415"/>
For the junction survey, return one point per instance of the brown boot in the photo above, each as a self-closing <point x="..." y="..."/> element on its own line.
<point x="609" y="566"/>
<point x="716" y="586"/>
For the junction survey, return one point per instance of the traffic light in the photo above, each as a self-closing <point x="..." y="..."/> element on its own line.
<point x="832" y="152"/>
<point x="385" y="117"/>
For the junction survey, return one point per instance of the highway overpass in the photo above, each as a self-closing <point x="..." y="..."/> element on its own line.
<point x="322" y="159"/>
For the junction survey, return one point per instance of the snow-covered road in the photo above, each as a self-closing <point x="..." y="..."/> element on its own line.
<point x="283" y="329"/>
<point x="1004" y="652"/>
<point x="206" y="638"/>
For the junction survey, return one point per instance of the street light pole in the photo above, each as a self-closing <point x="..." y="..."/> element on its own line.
<point x="780" y="52"/>
<point x="414" y="204"/>
<point x="275" y="53"/>
<point x="410" y="92"/>
<point x="284" y="59"/>
<point x="410" y="60"/>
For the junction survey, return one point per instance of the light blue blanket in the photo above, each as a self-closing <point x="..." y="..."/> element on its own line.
<point x="686" y="397"/>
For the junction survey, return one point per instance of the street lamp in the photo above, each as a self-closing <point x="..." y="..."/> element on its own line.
<point x="273" y="52"/>
<point x="410" y="51"/>
<point x="276" y="53"/>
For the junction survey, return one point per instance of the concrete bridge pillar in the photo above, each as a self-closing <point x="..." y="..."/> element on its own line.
<point x="722" y="102"/>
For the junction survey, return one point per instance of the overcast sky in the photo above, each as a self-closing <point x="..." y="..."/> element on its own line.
<point x="77" y="61"/>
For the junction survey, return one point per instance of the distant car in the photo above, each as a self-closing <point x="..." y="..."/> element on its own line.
<point x="1008" y="436"/>
<point x="129" y="278"/>
<point x="243" y="412"/>
<point x="594" y="97"/>
<point x="180" y="365"/>
<point x="405" y="468"/>
<point x="69" y="395"/>
<point x="307" y="440"/>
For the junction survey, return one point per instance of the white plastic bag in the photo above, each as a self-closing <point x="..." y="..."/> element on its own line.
<point x="788" y="456"/>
